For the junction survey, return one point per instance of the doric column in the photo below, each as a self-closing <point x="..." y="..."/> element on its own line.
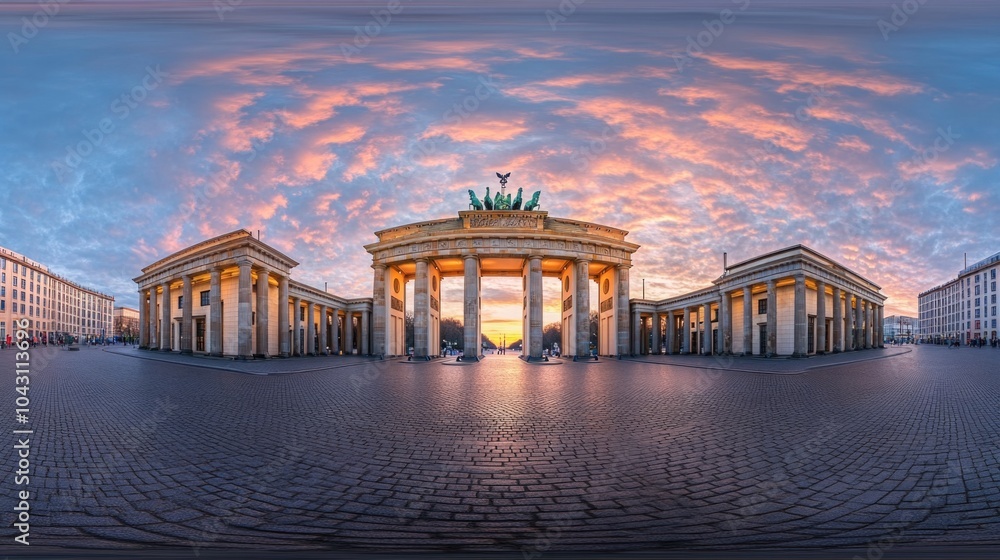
<point x="725" y="345"/>
<point x="322" y="330"/>
<point x="747" y="320"/>
<point x="363" y="346"/>
<point x="187" y="342"/>
<point x="535" y="306"/>
<point x="880" y="325"/>
<point x="379" y="313"/>
<point x="165" y="327"/>
<point x="349" y="333"/>
<point x="838" y="321"/>
<point x="310" y="330"/>
<point x="297" y="327"/>
<point x="421" y="313"/>
<point x="335" y="332"/>
<point x="581" y="305"/>
<point x="215" y="313"/>
<point x="623" y="293"/>
<point x="800" y="334"/>
<point x="671" y="331"/>
<point x="143" y="320"/>
<point x="154" y="341"/>
<point x="772" y="318"/>
<point x="244" y="313"/>
<point x="869" y="324"/>
<point x="820" y="317"/>
<point x="284" y="344"/>
<point x="261" y="328"/>
<point x="657" y="334"/>
<point x="859" y="323"/>
<point x="470" y="328"/>
<point x="849" y="322"/>
<point x="706" y="329"/>
<point x="637" y="333"/>
<point x="686" y="331"/>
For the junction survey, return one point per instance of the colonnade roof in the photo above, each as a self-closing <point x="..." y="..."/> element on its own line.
<point x="795" y="252"/>
<point x="205" y="252"/>
<point x="783" y="263"/>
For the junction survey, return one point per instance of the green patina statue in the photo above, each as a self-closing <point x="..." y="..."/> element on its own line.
<point x="533" y="203"/>
<point x="474" y="201"/>
<point x="500" y="201"/>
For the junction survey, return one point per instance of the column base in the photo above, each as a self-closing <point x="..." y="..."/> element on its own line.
<point x="260" y="356"/>
<point x="216" y="354"/>
<point x="534" y="359"/>
<point x="166" y="349"/>
<point x="187" y="352"/>
<point x="800" y="355"/>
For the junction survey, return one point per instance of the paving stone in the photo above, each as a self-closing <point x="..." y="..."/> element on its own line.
<point x="617" y="454"/>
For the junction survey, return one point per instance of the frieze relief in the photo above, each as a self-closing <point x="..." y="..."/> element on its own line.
<point x="501" y="221"/>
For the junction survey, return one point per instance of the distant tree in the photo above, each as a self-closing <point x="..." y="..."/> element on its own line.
<point x="452" y="331"/>
<point x="514" y="345"/>
<point x="408" y="325"/>
<point x="551" y="333"/>
<point x="488" y="343"/>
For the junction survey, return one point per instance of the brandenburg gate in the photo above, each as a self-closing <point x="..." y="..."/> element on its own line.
<point x="498" y="237"/>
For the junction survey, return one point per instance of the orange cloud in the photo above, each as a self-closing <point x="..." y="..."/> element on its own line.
<point x="479" y="129"/>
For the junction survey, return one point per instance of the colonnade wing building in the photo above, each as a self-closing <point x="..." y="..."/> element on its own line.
<point x="793" y="302"/>
<point x="233" y="295"/>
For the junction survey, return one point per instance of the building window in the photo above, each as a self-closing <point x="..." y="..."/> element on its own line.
<point x="180" y="302"/>
<point x="761" y="306"/>
<point x="14" y="292"/>
<point x="205" y="298"/>
<point x="3" y="305"/>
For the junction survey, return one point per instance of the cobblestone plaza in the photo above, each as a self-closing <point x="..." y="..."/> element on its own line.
<point x="135" y="450"/>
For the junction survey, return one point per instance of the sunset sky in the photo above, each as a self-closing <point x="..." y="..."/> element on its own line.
<point x="790" y="122"/>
